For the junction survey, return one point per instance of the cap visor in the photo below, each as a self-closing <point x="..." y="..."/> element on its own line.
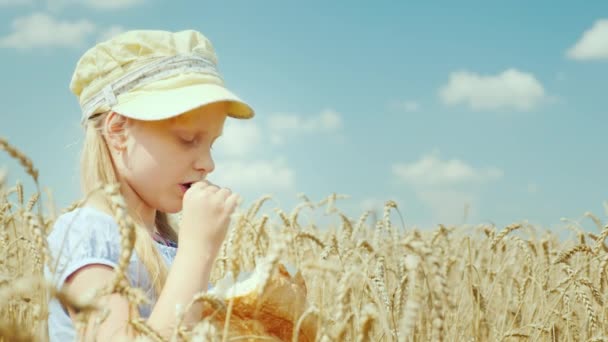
<point x="163" y="104"/>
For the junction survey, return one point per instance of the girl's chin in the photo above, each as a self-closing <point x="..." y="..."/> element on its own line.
<point x="171" y="204"/>
<point x="174" y="209"/>
<point x="171" y="208"/>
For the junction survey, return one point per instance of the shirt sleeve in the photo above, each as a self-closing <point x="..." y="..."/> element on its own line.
<point x="82" y="237"/>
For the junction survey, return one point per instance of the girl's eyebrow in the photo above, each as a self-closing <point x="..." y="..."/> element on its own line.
<point x="197" y="133"/>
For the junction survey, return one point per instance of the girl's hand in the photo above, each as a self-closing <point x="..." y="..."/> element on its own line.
<point x="205" y="216"/>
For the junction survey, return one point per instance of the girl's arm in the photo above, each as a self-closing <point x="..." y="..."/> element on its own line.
<point x="189" y="272"/>
<point x="181" y="286"/>
<point x="179" y="289"/>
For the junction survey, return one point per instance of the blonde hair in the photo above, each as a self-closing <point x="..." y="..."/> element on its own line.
<point x="96" y="167"/>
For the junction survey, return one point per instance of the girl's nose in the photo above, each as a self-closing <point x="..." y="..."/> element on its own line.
<point x="204" y="163"/>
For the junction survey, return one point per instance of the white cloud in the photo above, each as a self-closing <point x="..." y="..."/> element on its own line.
<point x="9" y="3"/>
<point x="110" y="32"/>
<point x="593" y="44"/>
<point x="104" y="5"/>
<point x="376" y="204"/>
<point x="371" y="204"/>
<point x="511" y="89"/>
<point x="112" y="4"/>
<point x="408" y="106"/>
<point x="327" y="120"/>
<point x="432" y="171"/>
<point x="282" y="125"/>
<point x="42" y="30"/>
<point x="450" y="206"/>
<point x="262" y="175"/>
<point x="533" y="188"/>
<point x="446" y="187"/>
<point x="240" y="139"/>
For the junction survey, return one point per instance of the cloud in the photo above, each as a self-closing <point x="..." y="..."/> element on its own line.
<point x="110" y="32"/>
<point x="104" y="5"/>
<point x="533" y="188"/>
<point x="42" y="30"/>
<point x="282" y="125"/>
<point x="371" y="204"/>
<point x="449" y="206"/>
<point x="240" y="139"/>
<point x="262" y="175"/>
<point x="10" y="3"/>
<point x="376" y="204"/>
<point x="593" y="44"/>
<point x="327" y="120"/>
<point x="446" y="187"/>
<point x="511" y="89"/>
<point x="432" y="171"/>
<point x="408" y="106"/>
<point x="112" y="4"/>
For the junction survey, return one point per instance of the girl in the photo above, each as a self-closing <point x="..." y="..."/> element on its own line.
<point x="153" y="103"/>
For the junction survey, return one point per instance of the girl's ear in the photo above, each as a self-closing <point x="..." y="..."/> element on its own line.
<point x="115" y="131"/>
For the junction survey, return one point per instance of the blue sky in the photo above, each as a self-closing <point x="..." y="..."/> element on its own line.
<point x="501" y="108"/>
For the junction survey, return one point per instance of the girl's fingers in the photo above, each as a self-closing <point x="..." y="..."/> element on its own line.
<point x="232" y="201"/>
<point x="211" y="188"/>
<point x="199" y="184"/>
<point x="224" y="193"/>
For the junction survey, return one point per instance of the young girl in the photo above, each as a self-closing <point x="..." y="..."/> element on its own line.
<point x="153" y="103"/>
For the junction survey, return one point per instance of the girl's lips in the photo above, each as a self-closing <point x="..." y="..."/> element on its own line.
<point x="185" y="186"/>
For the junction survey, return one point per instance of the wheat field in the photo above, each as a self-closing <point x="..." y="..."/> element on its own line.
<point x="367" y="278"/>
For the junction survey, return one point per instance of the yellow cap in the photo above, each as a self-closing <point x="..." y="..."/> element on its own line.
<point x="152" y="75"/>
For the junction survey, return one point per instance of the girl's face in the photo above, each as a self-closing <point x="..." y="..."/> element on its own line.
<point x="161" y="158"/>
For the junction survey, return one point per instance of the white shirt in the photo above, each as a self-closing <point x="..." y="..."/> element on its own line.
<point x="87" y="236"/>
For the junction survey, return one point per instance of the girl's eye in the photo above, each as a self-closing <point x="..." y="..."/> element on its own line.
<point x="188" y="141"/>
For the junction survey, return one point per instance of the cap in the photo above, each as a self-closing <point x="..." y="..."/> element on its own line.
<point x="152" y="75"/>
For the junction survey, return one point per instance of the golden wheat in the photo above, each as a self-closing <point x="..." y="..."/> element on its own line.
<point x="366" y="279"/>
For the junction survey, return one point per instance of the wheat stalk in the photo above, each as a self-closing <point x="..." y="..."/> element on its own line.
<point x="24" y="160"/>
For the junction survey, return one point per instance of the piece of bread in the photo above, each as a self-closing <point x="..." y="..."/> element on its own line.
<point x="270" y="315"/>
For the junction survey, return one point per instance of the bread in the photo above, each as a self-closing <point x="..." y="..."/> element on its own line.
<point x="271" y="315"/>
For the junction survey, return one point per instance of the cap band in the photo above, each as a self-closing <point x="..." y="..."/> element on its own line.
<point x="157" y="70"/>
